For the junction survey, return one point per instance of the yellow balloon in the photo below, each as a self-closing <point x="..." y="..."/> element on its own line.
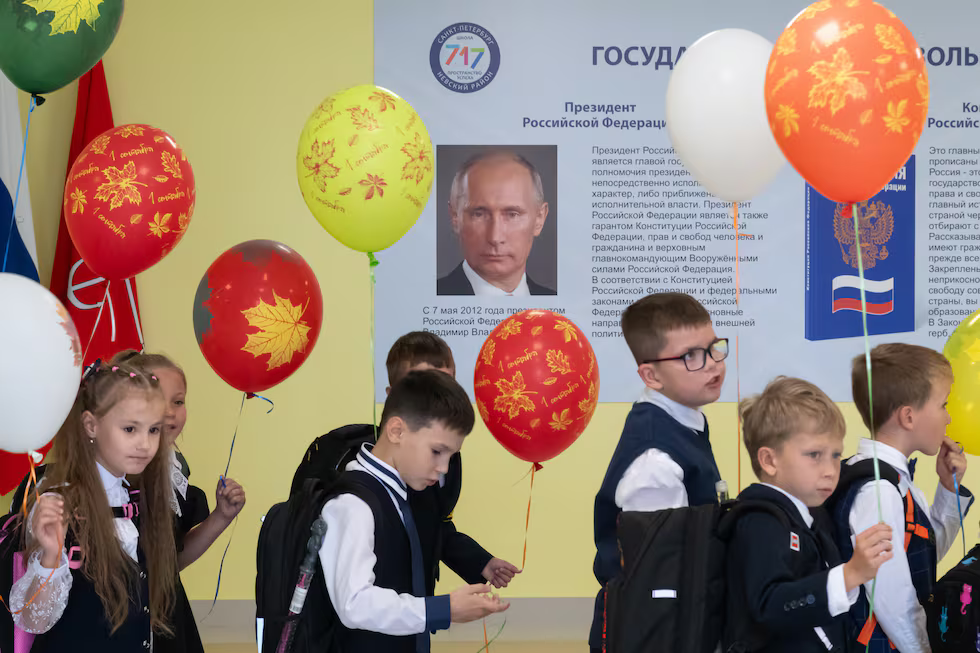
<point x="365" y="167"/>
<point x="962" y="350"/>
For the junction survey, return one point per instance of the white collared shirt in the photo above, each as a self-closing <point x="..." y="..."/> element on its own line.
<point x="483" y="288"/>
<point x="347" y="558"/>
<point x="126" y="531"/>
<point x="897" y="607"/>
<point x="654" y="481"/>
<point x="839" y="600"/>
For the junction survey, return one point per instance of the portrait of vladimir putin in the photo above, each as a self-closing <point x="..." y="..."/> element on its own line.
<point x="497" y="208"/>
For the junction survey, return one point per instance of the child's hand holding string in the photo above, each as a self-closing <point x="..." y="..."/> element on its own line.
<point x="49" y="528"/>
<point x="951" y="460"/>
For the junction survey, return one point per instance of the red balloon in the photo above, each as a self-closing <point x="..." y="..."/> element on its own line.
<point x="536" y="384"/>
<point x="847" y="96"/>
<point x="128" y="200"/>
<point x="257" y="314"/>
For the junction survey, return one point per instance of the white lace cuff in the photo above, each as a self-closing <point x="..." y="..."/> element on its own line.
<point x="38" y="599"/>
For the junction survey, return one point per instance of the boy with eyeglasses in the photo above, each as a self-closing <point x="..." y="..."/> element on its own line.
<point x="663" y="459"/>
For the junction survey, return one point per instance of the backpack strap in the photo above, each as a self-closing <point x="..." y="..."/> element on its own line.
<point x="734" y="510"/>
<point x="862" y="472"/>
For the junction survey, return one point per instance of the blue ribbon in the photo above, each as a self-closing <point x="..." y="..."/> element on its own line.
<point x="959" y="511"/>
<point x="20" y="175"/>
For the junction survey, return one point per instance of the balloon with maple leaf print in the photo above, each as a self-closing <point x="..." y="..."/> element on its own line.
<point x="257" y="314"/>
<point x="47" y="44"/>
<point x="365" y="167"/>
<point x="847" y="97"/>
<point x="129" y="198"/>
<point x="536" y="384"/>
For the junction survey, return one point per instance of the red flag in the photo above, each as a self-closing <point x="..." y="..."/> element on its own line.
<point x="82" y="291"/>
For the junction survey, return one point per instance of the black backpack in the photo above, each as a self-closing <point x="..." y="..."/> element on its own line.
<point x="289" y="541"/>
<point x="953" y="610"/>
<point x="670" y="595"/>
<point x="328" y="455"/>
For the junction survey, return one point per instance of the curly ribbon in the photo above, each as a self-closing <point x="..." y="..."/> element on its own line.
<point x="20" y="176"/>
<point x="272" y="405"/>
<point x="373" y="263"/>
<point x="867" y="363"/>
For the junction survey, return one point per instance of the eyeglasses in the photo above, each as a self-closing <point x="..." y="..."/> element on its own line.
<point x="695" y="359"/>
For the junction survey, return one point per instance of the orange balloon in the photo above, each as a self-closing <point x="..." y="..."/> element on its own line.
<point x="847" y="97"/>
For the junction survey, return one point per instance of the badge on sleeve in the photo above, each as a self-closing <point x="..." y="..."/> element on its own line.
<point x="794" y="541"/>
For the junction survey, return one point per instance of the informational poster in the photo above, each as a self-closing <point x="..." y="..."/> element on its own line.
<point x="547" y="121"/>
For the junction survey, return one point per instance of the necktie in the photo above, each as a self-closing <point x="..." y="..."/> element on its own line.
<point x="422" y="644"/>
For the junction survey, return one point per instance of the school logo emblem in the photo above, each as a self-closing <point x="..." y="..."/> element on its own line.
<point x="794" y="541"/>
<point x="464" y="57"/>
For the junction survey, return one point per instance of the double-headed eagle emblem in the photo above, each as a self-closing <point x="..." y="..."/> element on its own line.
<point x="876" y="223"/>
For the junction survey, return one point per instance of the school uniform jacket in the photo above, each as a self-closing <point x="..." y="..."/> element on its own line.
<point x="786" y="582"/>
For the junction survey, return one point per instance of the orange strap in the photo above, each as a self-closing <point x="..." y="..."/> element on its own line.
<point x="911" y="528"/>
<point x="868" y="630"/>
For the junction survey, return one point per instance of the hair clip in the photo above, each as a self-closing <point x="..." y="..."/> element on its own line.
<point x="115" y="368"/>
<point x="154" y="377"/>
<point x="132" y="375"/>
<point x="92" y="369"/>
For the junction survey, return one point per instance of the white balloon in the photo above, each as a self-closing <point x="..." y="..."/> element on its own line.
<point x="40" y="364"/>
<point x="716" y="114"/>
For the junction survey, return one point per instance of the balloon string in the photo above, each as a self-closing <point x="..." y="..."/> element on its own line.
<point x="222" y="565"/>
<point x="738" y="366"/>
<point x="737" y="281"/>
<point x="867" y="364"/>
<point x="738" y="398"/>
<point x="959" y="511"/>
<point x="373" y="263"/>
<point x="527" y="520"/>
<point x="98" y="318"/>
<point x="241" y="409"/>
<point x="234" y="436"/>
<point x="20" y="175"/>
<point x="31" y="483"/>
<point x="487" y="643"/>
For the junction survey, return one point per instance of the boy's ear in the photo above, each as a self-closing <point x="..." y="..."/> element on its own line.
<point x="395" y="429"/>
<point x="905" y="417"/>
<point x="651" y="379"/>
<point x="766" y="457"/>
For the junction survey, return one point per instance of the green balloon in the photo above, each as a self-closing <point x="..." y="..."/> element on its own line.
<point x="47" y="44"/>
